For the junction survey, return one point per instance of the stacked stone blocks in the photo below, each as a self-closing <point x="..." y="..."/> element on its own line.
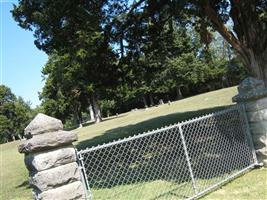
<point x="51" y="160"/>
<point x="253" y="94"/>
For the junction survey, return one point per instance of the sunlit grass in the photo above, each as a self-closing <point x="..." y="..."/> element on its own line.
<point x="251" y="186"/>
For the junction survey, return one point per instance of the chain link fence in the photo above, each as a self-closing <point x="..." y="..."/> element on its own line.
<point x="181" y="161"/>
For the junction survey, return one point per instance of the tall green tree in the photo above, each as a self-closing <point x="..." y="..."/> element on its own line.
<point x="77" y="32"/>
<point x="120" y="52"/>
<point x="182" y="71"/>
<point x="247" y="36"/>
<point x="15" y="114"/>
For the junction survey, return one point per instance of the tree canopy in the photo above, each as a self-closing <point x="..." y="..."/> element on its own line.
<point x="248" y="19"/>
<point x="15" y="115"/>
<point x="112" y="56"/>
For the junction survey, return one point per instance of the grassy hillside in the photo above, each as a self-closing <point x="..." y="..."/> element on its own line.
<point x="142" y="120"/>
<point x="13" y="177"/>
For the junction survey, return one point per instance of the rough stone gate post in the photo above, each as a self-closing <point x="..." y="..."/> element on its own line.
<point x="51" y="160"/>
<point x="253" y="94"/>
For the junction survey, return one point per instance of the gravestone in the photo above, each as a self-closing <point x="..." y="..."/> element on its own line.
<point x="253" y="94"/>
<point x="51" y="160"/>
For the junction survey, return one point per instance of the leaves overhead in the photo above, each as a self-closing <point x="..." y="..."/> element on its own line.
<point x="118" y="51"/>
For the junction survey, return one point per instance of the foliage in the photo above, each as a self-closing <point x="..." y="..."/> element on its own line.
<point x="115" y="55"/>
<point x="183" y="70"/>
<point x="15" y="114"/>
<point x="107" y="106"/>
<point x="247" y="35"/>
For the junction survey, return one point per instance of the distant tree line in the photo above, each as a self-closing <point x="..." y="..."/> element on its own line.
<point x="15" y="114"/>
<point x="108" y="57"/>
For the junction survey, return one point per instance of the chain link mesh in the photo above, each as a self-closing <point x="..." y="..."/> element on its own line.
<point x="177" y="162"/>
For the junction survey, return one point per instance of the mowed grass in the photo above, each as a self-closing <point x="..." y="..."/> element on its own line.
<point x="251" y="186"/>
<point x="135" y="122"/>
<point x="13" y="177"/>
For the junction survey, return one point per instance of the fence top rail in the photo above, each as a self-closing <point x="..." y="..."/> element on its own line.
<point x="151" y="132"/>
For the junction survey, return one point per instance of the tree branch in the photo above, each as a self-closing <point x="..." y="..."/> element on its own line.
<point x="134" y="6"/>
<point x="226" y="34"/>
<point x="220" y="27"/>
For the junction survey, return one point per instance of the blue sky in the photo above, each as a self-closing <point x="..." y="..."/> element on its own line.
<point x="21" y="60"/>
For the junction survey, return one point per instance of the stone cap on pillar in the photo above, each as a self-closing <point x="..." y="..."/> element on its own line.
<point x="45" y="133"/>
<point x="42" y="124"/>
<point x="250" y="89"/>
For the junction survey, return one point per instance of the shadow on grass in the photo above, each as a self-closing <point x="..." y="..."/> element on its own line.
<point x="92" y="122"/>
<point x="154" y="123"/>
<point x="24" y="184"/>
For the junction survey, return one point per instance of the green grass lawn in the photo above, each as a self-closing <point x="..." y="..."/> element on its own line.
<point x="13" y="177"/>
<point x="246" y="187"/>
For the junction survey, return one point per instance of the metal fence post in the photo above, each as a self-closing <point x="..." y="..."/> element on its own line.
<point x="188" y="159"/>
<point x="88" y="196"/>
<point x="243" y="114"/>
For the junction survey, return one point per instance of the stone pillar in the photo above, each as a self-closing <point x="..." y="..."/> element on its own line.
<point x="51" y="160"/>
<point x="253" y="94"/>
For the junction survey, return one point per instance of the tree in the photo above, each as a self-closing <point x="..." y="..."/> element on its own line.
<point x="116" y="53"/>
<point x="249" y="23"/>
<point x="15" y="114"/>
<point x="248" y="36"/>
<point x="5" y="129"/>
<point x="184" y="70"/>
<point x="76" y="36"/>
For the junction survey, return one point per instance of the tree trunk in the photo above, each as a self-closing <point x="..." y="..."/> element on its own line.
<point x="151" y="99"/>
<point x="257" y="64"/>
<point x="249" y="39"/>
<point x="78" y="114"/>
<point x="19" y="136"/>
<point x="96" y="108"/>
<point x="144" y="101"/>
<point x="179" y="94"/>
<point x="186" y="89"/>
<point x="91" y="111"/>
<point x="78" y="117"/>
